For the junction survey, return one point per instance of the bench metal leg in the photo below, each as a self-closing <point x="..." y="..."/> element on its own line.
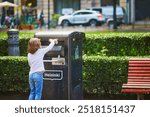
<point x="140" y="96"/>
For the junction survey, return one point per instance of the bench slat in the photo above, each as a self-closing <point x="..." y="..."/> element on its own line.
<point x="139" y="62"/>
<point x="138" y="68"/>
<point x="138" y="71"/>
<point x="139" y="78"/>
<point x="147" y="85"/>
<point x="139" y="75"/>
<point x="139" y="59"/>
<point x="132" y="77"/>
<point x="136" y="90"/>
<point x="140" y="65"/>
<point x="138" y="86"/>
<point x="137" y="82"/>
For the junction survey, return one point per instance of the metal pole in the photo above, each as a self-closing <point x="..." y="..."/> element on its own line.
<point x="48" y="14"/>
<point x="100" y="3"/>
<point x="114" y="15"/>
<point x="42" y="4"/>
<point x="132" y="11"/>
<point x="17" y="15"/>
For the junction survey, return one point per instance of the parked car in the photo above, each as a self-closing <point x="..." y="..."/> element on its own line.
<point x="107" y="11"/>
<point x="82" y="17"/>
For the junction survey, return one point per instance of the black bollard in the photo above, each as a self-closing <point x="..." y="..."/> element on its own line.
<point x="13" y="42"/>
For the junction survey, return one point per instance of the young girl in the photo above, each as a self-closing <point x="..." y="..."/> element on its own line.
<point x="35" y="60"/>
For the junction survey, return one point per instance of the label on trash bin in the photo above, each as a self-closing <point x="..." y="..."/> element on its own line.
<point x="53" y="75"/>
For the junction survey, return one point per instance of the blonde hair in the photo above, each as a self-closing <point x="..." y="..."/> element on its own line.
<point x="33" y="45"/>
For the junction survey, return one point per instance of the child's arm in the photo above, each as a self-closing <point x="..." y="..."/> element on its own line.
<point x="51" y="45"/>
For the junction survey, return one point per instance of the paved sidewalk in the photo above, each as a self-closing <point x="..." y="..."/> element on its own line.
<point x="136" y="27"/>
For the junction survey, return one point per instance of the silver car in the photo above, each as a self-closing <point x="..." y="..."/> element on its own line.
<point x="82" y="17"/>
<point x="107" y="11"/>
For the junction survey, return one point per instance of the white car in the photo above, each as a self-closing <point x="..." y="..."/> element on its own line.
<point x="82" y="17"/>
<point x="107" y="11"/>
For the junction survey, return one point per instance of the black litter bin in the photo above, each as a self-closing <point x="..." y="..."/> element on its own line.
<point x="63" y="65"/>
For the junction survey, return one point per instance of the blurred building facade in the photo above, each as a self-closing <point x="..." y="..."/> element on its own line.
<point x="136" y="10"/>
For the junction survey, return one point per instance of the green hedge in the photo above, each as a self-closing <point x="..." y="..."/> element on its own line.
<point x="13" y="74"/>
<point x="117" y="44"/>
<point x="23" y="41"/>
<point x="104" y="75"/>
<point x="3" y="44"/>
<point x="103" y="43"/>
<point x="100" y="74"/>
<point x="24" y="38"/>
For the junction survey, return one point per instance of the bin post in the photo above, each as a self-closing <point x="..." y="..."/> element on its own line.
<point x="13" y="42"/>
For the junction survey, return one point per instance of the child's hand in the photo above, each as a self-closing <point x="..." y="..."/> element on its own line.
<point x="54" y="40"/>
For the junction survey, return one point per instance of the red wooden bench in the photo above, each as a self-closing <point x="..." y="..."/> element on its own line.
<point x="138" y="77"/>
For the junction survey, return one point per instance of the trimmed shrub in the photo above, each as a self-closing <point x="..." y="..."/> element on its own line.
<point x="117" y="44"/>
<point x="104" y="44"/>
<point x="104" y="75"/>
<point x="100" y="74"/>
<point x="14" y="74"/>
<point x="23" y="41"/>
<point x="24" y="38"/>
<point x="3" y="44"/>
<point x="104" y="70"/>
